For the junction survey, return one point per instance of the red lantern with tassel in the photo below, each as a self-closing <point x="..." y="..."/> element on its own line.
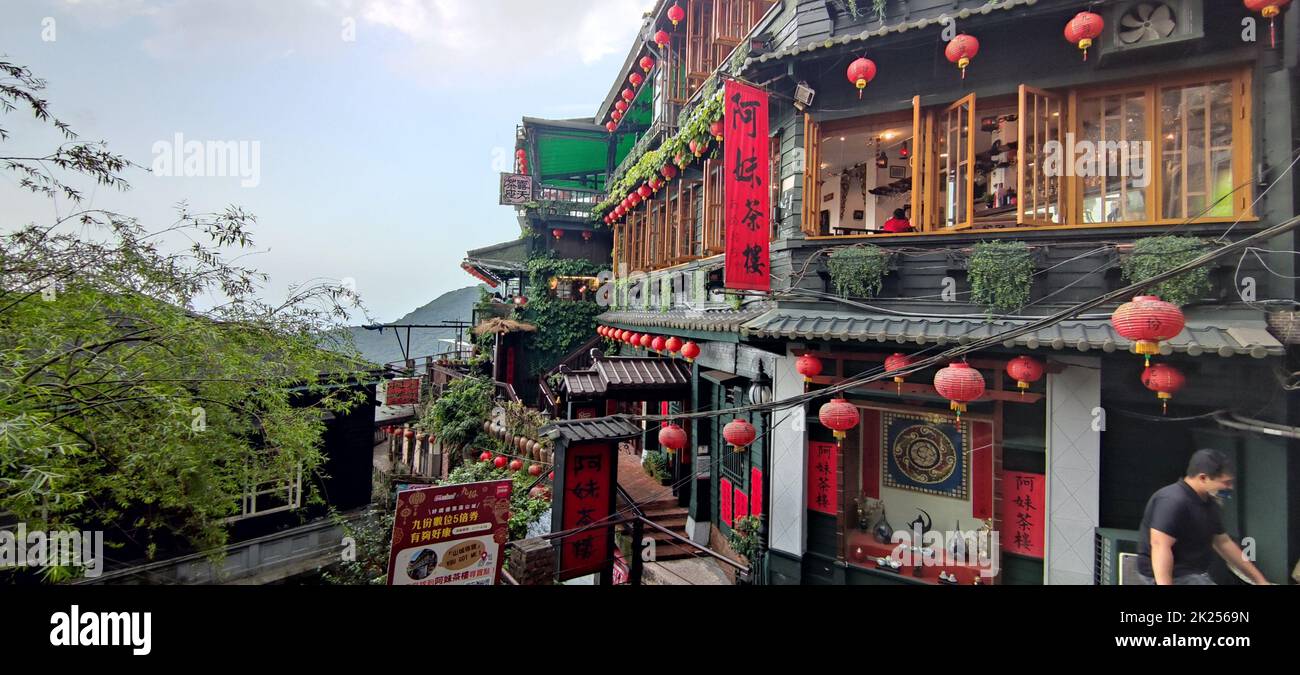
<point x="672" y="437"/>
<point x="616" y="116"/>
<point x="897" y="361"/>
<point x="960" y="384"/>
<point x="1269" y="9"/>
<point x="632" y="338"/>
<point x="557" y="233"/>
<point x="485" y="457"/>
<point x="1165" y="380"/>
<point x="668" y="171"/>
<point x="676" y="14"/>
<point x="1147" y="321"/>
<point x="697" y="148"/>
<point x="1083" y="29"/>
<point x="662" y="39"/>
<point x="620" y="106"/>
<point x="690" y="350"/>
<point x="610" y="126"/>
<point x="961" y="50"/>
<point x="839" y="416"/>
<point x="658" y="344"/>
<point x="739" y="434"/>
<point x="809" y="366"/>
<point x="647" y="63"/>
<point x="635" y="79"/>
<point x="716" y="130"/>
<point x="628" y="95"/>
<point x="1025" y="371"/>
<point x="645" y="340"/>
<point x="674" y="344"/>
<point x="861" y="73"/>
<point x="644" y="191"/>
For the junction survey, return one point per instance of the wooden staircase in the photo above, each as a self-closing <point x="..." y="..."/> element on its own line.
<point x="668" y="514"/>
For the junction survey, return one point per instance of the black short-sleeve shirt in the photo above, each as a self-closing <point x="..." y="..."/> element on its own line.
<point x="1193" y="522"/>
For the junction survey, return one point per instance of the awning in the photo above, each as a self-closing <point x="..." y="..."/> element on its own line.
<point x="591" y="430"/>
<point x="637" y="378"/>
<point x="1207" y="332"/>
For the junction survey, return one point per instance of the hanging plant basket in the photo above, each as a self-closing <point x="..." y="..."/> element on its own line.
<point x="858" y="271"/>
<point x="1000" y="275"/>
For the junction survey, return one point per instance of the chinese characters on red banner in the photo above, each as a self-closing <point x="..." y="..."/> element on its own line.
<point x="403" y="391"/>
<point x="588" y="500"/>
<point x="748" y="196"/>
<point x="725" y="493"/>
<point x="823" y="468"/>
<point x="1022" y="513"/>
<point x="451" y="535"/>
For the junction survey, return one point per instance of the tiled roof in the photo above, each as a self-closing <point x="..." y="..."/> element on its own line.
<point x="622" y="374"/>
<point x="1203" y="335"/>
<point x="716" y="320"/>
<point x="588" y="430"/>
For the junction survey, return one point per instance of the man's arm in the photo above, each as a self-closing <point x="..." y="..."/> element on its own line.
<point x="1231" y="554"/>
<point x="1162" y="557"/>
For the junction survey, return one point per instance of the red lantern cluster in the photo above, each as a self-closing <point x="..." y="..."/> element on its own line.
<point x="1147" y="321"/>
<point x="960" y="384"/>
<point x="739" y="434"/>
<point x="839" y="416"/>
<point x="1025" y="371"/>
<point x="672" y="437"/>
<point x="961" y="50"/>
<point x="1083" y="29"/>
<point x="861" y="73"/>
<point x="1165" y="380"/>
<point x="1269" y="9"/>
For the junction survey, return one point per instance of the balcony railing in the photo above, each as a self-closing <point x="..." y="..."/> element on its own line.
<point x="573" y="202"/>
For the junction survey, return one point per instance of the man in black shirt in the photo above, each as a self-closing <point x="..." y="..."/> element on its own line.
<point x="1182" y="527"/>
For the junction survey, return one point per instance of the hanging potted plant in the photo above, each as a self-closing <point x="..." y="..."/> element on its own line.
<point x="1001" y="275"/>
<point x="857" y="271"/>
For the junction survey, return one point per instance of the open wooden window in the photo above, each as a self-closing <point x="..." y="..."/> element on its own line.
<point x="922" y="167"/>
<point x="1042" y="121"/>
<point x="810" y="218"/>
<point x="955" y="152"/>
<point x="714" y="215"/>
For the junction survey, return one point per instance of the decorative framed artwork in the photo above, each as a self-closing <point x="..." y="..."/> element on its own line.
<point x="898" y="172"/>
<point x="924" y="456"/>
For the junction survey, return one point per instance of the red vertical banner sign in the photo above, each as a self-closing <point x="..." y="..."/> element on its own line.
<point x="588" y="501"/>
<point x="870" y="452"/>
<point x="823" y="471"/>
<point x="747" y="196"/>
<point x="756" y="489"/>
<point x="1023" y="499"/>
<point x="724" y="500"/>
<point x="741" y="504"/>
<point x="981" y="469"/>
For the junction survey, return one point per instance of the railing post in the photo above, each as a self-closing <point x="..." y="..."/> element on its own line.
<point x="636" y="566"/>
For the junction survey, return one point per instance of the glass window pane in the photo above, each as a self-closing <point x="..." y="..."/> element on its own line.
<point x="1196" y="135"/>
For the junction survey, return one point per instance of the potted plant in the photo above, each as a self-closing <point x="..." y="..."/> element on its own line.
<point x="746" y="541"/>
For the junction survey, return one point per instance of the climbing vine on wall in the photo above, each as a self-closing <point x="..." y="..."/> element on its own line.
<point x="1154" y="255"/>
<point x="857" y="271"/>
<point x="1000" y="274"/>
<point x="562" y="325"/>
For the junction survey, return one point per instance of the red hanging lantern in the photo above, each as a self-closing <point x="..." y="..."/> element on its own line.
<point x="1269" y="9"/>
<point x="1025" y="371"/>
<point x="635" y="79"/>
<point x="809" y="366"/>
<point x="557" y="233"/>
<point x="645" y="340"/>
<point x="680" y="159"/>
<point x="960" y="384"/>
<point x="1165" y="380"/>
<point x="655" y="183"/>
<point x="634" y="198"/>
<point x="658" y="344"/>
<point x="632" y="338"/>
<point x="716" y="130"/>
<point x="676" y="14"/>
<point x="674" y="345"/>
<point x="628" y="95"/>
<point x="690" y="350"/>
<point x="897" y="361"/>
<point x="861" y="73"/>
<point x="961" y="50"/>
<point x="739" y="434"/>
<point x="839" y="416"/>
<point x="672" y="437"/>
<point x="662" y="38"/>
<point x="647" y="63"/>
<point x="1083" y="29"/>
<point x="669" y="172"/>
<point x="500" y="462"/>
<point x="485" y="457"/>
<point x="586" y="235"/>
<point x="644" y="191"/>
<point x="620" y="106"/>
<point x="1147" y="321"/>
<point x="610" y="126"/>
<point x="616" y="116"/>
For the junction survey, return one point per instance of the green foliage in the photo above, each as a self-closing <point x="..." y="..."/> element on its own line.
<point x="655" y="465"/>
<point x="856" y="271"/>
<point x="1001" y="274"/>
<point x="744" y="538"/>
<point x="373" y="534"/>
<point x="562" y="325"/>
<point x="483" y="343"/>
<point x="1154" y="255"/>
<point x="456" y="418"/>
<point x="524" y="510"/>
<point x="879" y="7"/>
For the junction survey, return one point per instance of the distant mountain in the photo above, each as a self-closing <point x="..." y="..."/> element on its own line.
<point x="457" y="305"/>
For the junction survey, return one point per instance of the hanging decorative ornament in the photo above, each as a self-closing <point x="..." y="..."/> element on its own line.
<point x="1147" y="321"/>
<point x="739" y="434"/>
<point x="672" y="437"/>
<point x="1165" y="380"/>
<point x="634" y="198"/>
<point x="960" y="384"/>
<point x="681" y="159"/>
<point x="616" y="116"/>
<point x="1269" y="9"/>
<point x="610" y="126"/>
<point x="668" y="171"/>
<point x="676" y="14"/>
<point x="674" y="345"/>
<point x="662" y="38"/>
<point x="635" y="79"/>
<point x="644" y="191"/>
<point x="961" y="50"/>
<point x="1025" y="371"/>
<point x="655" y="183"/>
<point x="861" y="73"/>
<point x="632" y="338"/>
<point x="620" y="106"/>
<point x="658" y="344"/>
<point x="903" y="151"/>
<point x="647" y="63"/>
<point x="897" y="361"/>
<point x="839" y="416"/>
<point x="690" y="350"/>
<point x="716" y="130"/>
<point x="1083" y="29"/>
<point x="557" y="233"/>
<point x="645" y="340"/>
<point x="809" y="366"/>
<point x="586" y="236"/>
<point x="500" y="462"/>
<point x="628" y="95"/>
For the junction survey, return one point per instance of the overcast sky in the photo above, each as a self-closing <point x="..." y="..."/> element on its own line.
<point x="381" y="125"/>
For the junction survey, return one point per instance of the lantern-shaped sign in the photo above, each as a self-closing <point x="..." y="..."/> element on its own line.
<point x="669" y="172"/>
<point x="611" y="126"/>
<point x="672" y="437"/>
<point x="676" y="14"/>
<point x="645" y="340"/>
<point x="861" y="73"/>
<point x="961" y="50"/>
<point x="897" y="361"/>
<point x="1025" y="371"/>
<point x="960" y="384"/>
<point x="674" y="345"/>
<point x="1165" y="380"/>
<point x="1147" y="321"/>
<point x="739" y="434"/>
<point x="635" y="79"/>
<point x="647" y="63"/>
<point x="658" y="343"/>
<point x="690" y="350"/>
<point x="809" y="366"/>
<point x="1269" y="9"/>
<point x="1083" y="29"/>
<point x="628" y="95"/>
<point x="839" y="416"/>
<point x="662" y="38"/>
<point x="716" y="130"/>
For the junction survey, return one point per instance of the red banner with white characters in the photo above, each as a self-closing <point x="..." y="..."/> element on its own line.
<point x="748" y="197"/>
<point x="823" y="472"/>
<point x="1023" y="513"/>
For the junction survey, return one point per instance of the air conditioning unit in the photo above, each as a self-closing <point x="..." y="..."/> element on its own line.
<point x="1140" y="25"/>
<point x="1111" y="548"/>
